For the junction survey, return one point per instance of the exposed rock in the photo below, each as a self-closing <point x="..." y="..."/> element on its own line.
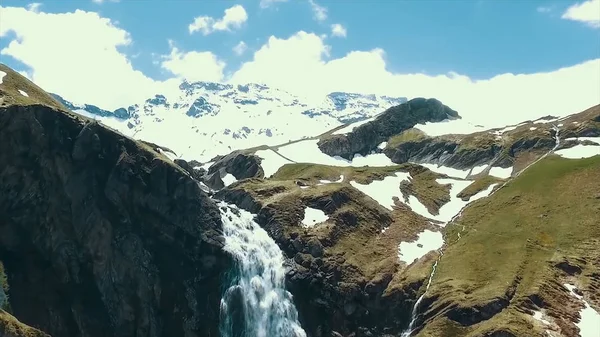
<point x="332" y="296"/>
<point x="196" y="173"/>
<point x="315" y="248"/>
<point x="240" y="165"/>
<point x="102" y="237"/>
<point x="366" y="137"/>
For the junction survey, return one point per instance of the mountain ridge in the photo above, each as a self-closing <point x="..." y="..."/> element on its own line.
<point x="375" y="246"/>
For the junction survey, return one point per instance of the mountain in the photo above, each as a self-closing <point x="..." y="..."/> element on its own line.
<point x="231" y="117"/>
<point x="383" y="227"/>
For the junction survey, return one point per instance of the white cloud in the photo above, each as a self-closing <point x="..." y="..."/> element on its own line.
<point x="34" y="6"/>
<point x="301" y="65"/>
<point x="103" y="1"/>
<point x="194" y="66"/>
<point x="268" y="3"/>
<point x="94" y="71"/>
<point x="587" y="12"/>
<point x="319" y="12"/>
<point x="233" y="18"/>
<point x="338" y="30"/>
<point x="240" y="48"/>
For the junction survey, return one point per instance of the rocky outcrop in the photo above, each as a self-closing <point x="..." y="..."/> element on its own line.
<point x="332" y="296"/>
<point x="100" y="236"/>
<point x="238" y="164"/>
<point x="393" y="121"/>
<point x="501" y="148"/>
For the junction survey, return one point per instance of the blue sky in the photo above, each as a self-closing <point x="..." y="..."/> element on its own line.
<point x="477" y="39"/>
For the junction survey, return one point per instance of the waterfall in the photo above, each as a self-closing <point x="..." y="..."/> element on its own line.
<point x="413" y="319"/>
<point x="256" y="304"/>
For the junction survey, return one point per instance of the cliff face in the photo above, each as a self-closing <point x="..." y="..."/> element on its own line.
<point x="100" y="235"/>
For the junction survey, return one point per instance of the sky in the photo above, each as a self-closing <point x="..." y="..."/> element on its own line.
<point x="477" y="56"/>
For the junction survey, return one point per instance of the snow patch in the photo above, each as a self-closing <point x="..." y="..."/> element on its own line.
<point x="539" y="316"/>
<point x="454" y="206"/>
<point x="456" y="126"/>
<point x="2" y="74"/>
<point x="331" y="182"/>
<point x="384" y="190"/>
<point x="382" y="145"/>
<point x="532" y="128"/>
<point x="229" y="179"/>
<point x="581" y="139"/>
<point x="271" y="161"/>
<point x="307" y="151"/>
<point x="588" y="324"/>
<point x="350" y="127"/>
<point x="23" y="93"/>
<point x="313" y="216"/>
<point x="449" y="171"/>
<point x="542" y="121"/>
<point x="427" y="241"/>
<point x="417" y="207"/>
<point x="579" y="151"/>
<point x="506" y="129"/>
<point x="167" y="154"/>
<point x="500" y="172"/>
<point x="478" y="169"/>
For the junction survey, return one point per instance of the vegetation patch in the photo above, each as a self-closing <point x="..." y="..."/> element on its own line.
<point x="406" y="136"/>
<point x="506" y="240"/>
<point x="10" y="326"/>
<point x="426" y="189"/>
<point x="12" y="82"/>
<point x="315" y="172"/>
<point x="477" y="186"/>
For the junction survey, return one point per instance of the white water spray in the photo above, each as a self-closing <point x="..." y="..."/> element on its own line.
<point x="256" y="304"/>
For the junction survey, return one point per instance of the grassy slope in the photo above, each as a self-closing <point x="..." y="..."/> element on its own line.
<point x="12" y="82"/>
<point x="551" y="210"/>
<point x="11" y="327"/>
<point x="362" y="246"/>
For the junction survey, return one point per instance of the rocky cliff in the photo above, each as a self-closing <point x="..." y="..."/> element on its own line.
<point x="101" y="235"/>
<point x="394" y="120"/>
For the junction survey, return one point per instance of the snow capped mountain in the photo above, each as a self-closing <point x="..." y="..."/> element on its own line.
<point x="200" y="120"/>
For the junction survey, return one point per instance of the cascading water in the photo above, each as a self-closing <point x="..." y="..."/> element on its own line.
<point x="413" y="319"/>
<point x="256" y="304"/>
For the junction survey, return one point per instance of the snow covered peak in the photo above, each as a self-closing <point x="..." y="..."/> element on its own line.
<point x="200" y="120"/>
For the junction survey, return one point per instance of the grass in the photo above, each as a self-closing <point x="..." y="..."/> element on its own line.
<point x="551" y="209"/>
<point x="10" y="326"/>
<point x="315" y="172"/>
<point x="12" y="82"/>
<point x="477" y="186"/>
<point x="362" y="244"/>
<point x="426" y="189"/>
<point x="406" y="136"/>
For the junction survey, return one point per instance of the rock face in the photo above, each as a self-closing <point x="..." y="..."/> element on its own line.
<point x="100" y="236"/>
<point x="332" y="296"/>
<point x="238" y="164"/>
<point x="500" y="148"/>
<point x="393" y="121"/>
